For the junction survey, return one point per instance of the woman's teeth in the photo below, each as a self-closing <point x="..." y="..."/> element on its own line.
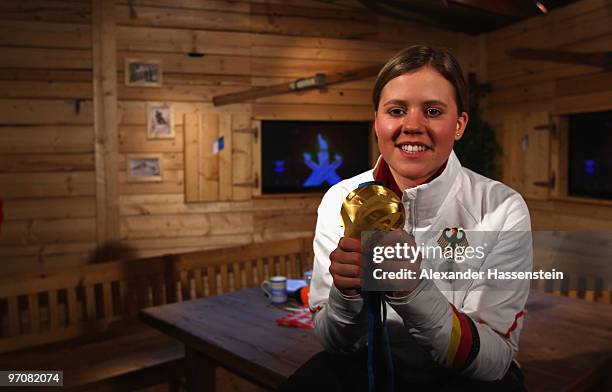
<point x="413" y="148"/>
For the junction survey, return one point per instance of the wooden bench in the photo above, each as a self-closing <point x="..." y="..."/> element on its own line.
<point x="84" y="321"/>
<point x="585" y="258"/>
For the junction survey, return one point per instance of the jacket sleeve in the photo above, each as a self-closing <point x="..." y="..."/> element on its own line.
<point x="339" y="320"/>
<point x="480" y="337"/>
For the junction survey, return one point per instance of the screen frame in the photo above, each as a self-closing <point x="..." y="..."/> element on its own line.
<point x="373" y="154"/>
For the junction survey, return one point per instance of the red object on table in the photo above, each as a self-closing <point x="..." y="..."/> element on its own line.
<point x="298" y="318"/>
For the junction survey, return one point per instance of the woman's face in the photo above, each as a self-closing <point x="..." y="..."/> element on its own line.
<point x="416" y="124"/>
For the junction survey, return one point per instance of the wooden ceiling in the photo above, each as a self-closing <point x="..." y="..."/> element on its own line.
<point x="467" y="16"/>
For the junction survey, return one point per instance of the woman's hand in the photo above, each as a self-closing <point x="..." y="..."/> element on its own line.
<point x="401" y="287"/>
<point x="345" y="265"/>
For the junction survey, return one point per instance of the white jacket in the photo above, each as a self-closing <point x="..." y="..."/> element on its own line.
<point x="473" y="328"/>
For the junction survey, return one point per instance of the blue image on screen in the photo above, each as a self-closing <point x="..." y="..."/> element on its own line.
<point x="279" y="166"/>
<point x="589" y="166"/>
<point x="323" y="170"/>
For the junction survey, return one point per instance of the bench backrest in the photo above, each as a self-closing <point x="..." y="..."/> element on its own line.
<point x="91" y="299"/>
<point x="585" y="258"/>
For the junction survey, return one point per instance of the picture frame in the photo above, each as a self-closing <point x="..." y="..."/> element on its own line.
<point x="143" y="73"/>
<point x="160" y="121"/>
<point x="144" y="168"/>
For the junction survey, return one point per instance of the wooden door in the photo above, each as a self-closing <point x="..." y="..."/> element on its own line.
<point x="527" y="154"/>
<point x="219" y="154"/>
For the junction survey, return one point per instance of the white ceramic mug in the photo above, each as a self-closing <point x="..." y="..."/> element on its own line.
<point x="276" y="289"/>
<point x="308" y="277"/>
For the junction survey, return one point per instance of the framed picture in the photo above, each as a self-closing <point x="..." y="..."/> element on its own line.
<point x="147" y="73"/>
<point x="144" y="168"/>
<point x="160" y="121"/>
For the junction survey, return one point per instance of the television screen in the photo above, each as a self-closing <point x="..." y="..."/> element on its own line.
<point x="590" y="155"/>
<point x="311" y="156"/>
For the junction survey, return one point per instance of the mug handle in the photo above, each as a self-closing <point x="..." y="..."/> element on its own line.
<point x="263" y="288"/>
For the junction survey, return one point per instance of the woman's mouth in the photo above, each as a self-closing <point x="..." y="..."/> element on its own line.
<point x="413" y="150"/>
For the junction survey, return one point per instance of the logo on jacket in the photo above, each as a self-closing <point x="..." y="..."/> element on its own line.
<point x="453" y="237"/>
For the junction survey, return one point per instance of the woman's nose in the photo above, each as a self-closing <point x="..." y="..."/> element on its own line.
<point x="412" y="121"/>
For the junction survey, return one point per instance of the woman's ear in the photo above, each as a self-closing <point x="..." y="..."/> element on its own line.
<point x="462" y="121"/>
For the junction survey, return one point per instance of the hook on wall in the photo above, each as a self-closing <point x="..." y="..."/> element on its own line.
<point x="194" y="47"/>
<point x="77" y="105"/>
<point x="133" y="14"/>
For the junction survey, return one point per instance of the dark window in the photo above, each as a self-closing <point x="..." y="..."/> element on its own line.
<point x="590" y="155"/>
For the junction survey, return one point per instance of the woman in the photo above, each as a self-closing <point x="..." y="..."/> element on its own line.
<point x="443" y="334"/>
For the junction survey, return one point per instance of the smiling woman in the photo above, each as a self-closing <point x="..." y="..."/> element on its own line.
<point x="442" y="334"/>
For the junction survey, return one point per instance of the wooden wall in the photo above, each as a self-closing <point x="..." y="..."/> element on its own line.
<point x="528" y="96"/>
<point x="47" y="169"/>
<point x="50" y="158"/>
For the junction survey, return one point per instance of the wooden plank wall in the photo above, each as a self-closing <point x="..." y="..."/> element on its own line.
<point x="245" y="44"/>
<point x="47" y="173"/>
<point x="47" y="178"/>
<point x="532" y="89"/>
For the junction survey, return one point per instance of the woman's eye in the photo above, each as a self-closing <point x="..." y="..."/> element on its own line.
<point x="433" y="112"/>
<point x="396" y="112"/>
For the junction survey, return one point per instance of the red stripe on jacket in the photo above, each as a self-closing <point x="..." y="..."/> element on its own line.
<point x="383" y="174"/>
<point x="514" y="324"/>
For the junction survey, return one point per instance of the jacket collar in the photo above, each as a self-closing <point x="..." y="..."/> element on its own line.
<point x="425" y="199"/>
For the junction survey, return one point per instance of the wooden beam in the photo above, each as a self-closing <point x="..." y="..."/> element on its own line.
<point x="284" y="88"/>
<point x="105" y="120"/>
<point x="597" y="59"/>
<point x="440" y="14"/>
<point x="511" y="9"/>
<point x="403" y="10"/>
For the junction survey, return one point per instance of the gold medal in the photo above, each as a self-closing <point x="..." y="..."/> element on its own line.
<point x="372" y="207"/>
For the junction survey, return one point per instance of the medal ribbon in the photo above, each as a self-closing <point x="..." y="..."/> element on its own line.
<point x="376" y="206"/>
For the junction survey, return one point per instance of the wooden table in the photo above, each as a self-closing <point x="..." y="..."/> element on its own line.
<point x="563" y="344"/>
<point x="237" y="331"/>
